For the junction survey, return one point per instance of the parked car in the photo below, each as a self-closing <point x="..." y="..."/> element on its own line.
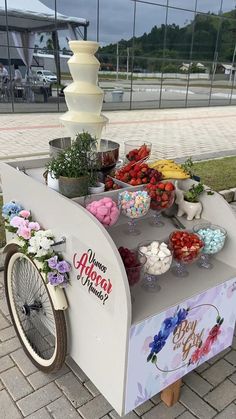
<point x="46" y="76"/>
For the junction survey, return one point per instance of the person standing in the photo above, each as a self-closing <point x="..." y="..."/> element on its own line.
<point x="17" y="75"/>
<point x="3" y="73"/>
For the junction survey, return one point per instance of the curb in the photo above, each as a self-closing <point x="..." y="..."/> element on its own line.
<point x="229" y="194"/>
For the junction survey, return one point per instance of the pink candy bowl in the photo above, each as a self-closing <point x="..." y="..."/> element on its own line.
<point x="105" y="210"/>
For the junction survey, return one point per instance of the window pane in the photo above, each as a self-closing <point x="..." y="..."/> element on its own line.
<point x="227" y="40"/>
<point x="174" y="83"/>
<point x="205" y="36"/>
<point x="209" y="6"/>
<point x="116" y="21"/>
<point x="228" y="6"/>
<point x="5" y="101"/>
<point x="146" y="83"/>
<point x="32" y="92"/>
<point x="199" y="84"/>
<point x="148" y="53"/>
<point x="183" y="4"/>
<point x="179" y="34"/>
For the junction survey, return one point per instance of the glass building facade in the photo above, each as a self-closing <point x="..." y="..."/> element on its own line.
<point x="153" y="54"/>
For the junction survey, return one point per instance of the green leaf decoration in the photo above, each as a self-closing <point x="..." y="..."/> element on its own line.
<point x="221" y="321"/>
<point x="154" y="359"/>
<point x="218" y="318"/>
<point x="149" y="357"/>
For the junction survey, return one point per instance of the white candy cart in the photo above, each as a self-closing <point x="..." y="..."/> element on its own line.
<point x="94" y="320"/>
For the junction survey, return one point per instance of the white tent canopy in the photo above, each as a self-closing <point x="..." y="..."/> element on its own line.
<point x="33" y="16"/>
<point x="23" y="19"/>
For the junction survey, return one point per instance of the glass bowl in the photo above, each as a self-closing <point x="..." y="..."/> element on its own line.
<point x="133" y="205"/>
<point x="161" y="200"/>
<point x="214" y="238"/>
<point x="187" y="247"/>
<point x="137" y="150"/>
<point x="134" y="273"/>
<point x="105" y="210"/>
<point x="158" y="261"/>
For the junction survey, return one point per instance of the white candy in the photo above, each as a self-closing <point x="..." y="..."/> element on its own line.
<point x="166" y="251"/>
<point x="163" y="244"/>
<point x="143" y="249"/>
<point x="161" y="254"/>
<point x="154" y="245"/>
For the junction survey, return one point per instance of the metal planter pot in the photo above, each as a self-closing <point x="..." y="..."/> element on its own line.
<point x="73" y="187"/>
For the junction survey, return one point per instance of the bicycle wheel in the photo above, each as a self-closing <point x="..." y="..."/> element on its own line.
<point x="40" y="328"/>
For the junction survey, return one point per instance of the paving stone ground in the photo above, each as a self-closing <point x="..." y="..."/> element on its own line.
<point x="25" y="392"/>
<point x="173" y="132"/>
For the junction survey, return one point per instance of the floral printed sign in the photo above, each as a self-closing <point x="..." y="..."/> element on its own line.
<point x="167" y="346"/>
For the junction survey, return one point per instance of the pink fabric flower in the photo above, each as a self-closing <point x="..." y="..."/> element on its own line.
<point x="24" y="232"/>
<point x="196" y="355"/>
<point x="24" y="214"/>
<point x="17" y="222"/>
<point x="214" y="333"/>
<point x="206" y="347"/>
<point x="34" y="226"/>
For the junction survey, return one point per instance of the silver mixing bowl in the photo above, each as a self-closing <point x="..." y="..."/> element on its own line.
<point x="107" y="156"/>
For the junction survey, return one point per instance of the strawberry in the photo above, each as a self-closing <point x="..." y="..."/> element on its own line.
<point x="165" y="197"/>
<point x="161" y="185"/>
<point x="169" y="186"/>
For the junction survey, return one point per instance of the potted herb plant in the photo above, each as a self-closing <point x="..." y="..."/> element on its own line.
<point x="188" y="201"/>
<point x="188" y="168"/>
<point x="76" y="167"/>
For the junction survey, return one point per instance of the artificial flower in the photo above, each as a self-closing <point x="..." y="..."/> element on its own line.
<point x="55" y="278"/>
<point x="24" y="232"/>
<point x="206" y="347"/>
<point x="196" y="355"/>
<point x="158" y="343"/>
<point x="17" y="222"/>
<point x="11" y="209"/>
<point x="168" y="326"/>
<point x="52" y="262"/>
<point x="34" y="226"/>
<point x="214" y="333"/>
<point x="24" y="214"/>
<point x="63" y="267"/>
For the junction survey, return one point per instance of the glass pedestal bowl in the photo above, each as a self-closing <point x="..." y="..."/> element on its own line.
<point x="158" y="261"/>
<point x="159" y="206"/>
<point x="214" y="238"/>
<point x="133" y="205"/>
<point x="137" y="150"/>
<point x="134" y="263"/>
<point x="187" y="247"/>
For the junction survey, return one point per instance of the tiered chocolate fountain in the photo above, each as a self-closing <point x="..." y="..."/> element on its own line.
<point x="84" y="99"/>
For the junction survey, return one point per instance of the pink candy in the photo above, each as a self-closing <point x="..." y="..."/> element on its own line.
<point x="105" y="210"/>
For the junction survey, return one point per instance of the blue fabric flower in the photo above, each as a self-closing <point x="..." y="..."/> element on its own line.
<point x="182" y="314"/>
<point x="168" y="326"/>
<point x="11" y="209"/>
<point x="158" y="343"/>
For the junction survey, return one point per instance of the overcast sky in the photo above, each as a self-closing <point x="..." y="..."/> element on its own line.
<point x="116" y="16"/>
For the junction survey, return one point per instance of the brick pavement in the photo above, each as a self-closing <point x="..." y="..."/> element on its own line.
<point x="173" y="132"/>
<point x="210" y="391"/>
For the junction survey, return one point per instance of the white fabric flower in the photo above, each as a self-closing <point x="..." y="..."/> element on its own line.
<point x="40" y="243"/>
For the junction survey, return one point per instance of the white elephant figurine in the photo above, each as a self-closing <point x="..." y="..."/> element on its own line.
<point x="191" y="209"/>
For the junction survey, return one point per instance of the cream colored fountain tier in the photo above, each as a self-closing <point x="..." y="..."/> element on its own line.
<point x="84" y="97"/>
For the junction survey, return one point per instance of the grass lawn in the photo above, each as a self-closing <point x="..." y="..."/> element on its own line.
<point x="2" y="231"/>
<point x="218" y="174"/>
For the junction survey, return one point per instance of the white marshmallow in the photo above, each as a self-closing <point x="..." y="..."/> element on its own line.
<point x="143" y="249"/>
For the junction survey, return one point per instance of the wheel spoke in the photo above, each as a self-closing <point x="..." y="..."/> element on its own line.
<point x="33" y="307"/>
